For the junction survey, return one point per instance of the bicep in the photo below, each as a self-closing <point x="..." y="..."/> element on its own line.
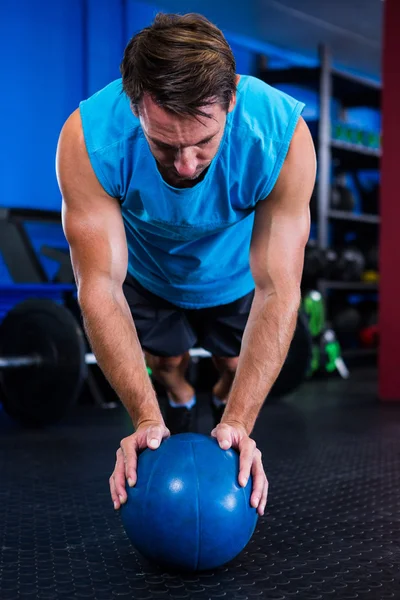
<point x="282" y="221"/>
<point x="92" y="219"/>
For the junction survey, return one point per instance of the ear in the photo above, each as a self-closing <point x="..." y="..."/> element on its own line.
<point x="134" y="110"/>
<point x="232" y="103"/>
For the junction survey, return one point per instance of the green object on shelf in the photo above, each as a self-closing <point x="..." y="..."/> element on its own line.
<point x="314" y="308"/>
<point x="333" y="352"/>
<point x="358" y="137"/>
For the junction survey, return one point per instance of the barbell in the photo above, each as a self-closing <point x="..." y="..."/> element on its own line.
<point x="43" y="361"/>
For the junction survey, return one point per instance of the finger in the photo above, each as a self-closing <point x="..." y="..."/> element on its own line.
<point x="119" y="477"/>
<point x="263" y="501"/>
<point x="114" y="495"/>
<point x="247" y="448"/>
<point x="154" y="437"/>
<point x="258" y="479"/>
<point x="223" y="434"/>
<point x="129" y="462"/>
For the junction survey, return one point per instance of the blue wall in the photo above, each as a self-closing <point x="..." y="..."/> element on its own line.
<point x="56" y="53"/>
<point x="42" y="81"/>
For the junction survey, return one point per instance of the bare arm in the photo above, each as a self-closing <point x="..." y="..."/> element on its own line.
<point x="94" y="229"/>
<point x="280" y="233"/>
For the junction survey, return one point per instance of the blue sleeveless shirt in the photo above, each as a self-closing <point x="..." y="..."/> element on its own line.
<point x="191" y="246"/>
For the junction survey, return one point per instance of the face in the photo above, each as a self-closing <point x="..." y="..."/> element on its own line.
<point x="183" y="146"/>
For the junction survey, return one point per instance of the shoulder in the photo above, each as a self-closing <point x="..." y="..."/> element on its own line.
<point x="265" y="110"/>
<point x="107" y="117"/>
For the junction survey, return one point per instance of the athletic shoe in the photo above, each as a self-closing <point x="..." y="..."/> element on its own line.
<point x="180" y="419"/>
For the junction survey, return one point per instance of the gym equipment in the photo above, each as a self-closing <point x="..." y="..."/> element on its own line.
<point x="370" y="277"/>
<point x="325" y="351"/>
<point x="44" y="339"/>
<point x="350" y="264"/>
<point x="187" y="510"/>
<point x="331" y="261"/>
<point x="354" y="136"/>
<point x="314" y="265"/>
<point x="369" y="336"/>
<point x="342" y="198"/>
<point x="331" y="357"/>
<point x="346" y="323"/>
<point x="369" y="331"/>
<point x="314" y="308"/>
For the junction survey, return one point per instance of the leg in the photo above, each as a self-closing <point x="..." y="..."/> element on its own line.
<point x="227" y="369"/>
<point x="165" y="335"/>
<point x="170" y="372"/>
<point x="220" y="331"/>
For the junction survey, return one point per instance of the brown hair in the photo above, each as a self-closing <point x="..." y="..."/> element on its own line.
<point x="183" y="62"/>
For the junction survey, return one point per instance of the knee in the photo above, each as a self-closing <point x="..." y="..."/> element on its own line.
<point x="164" y="364"/>
<point x="226" y="365"/>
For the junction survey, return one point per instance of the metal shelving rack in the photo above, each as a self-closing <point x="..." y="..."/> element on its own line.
<point x="351" y="91"/>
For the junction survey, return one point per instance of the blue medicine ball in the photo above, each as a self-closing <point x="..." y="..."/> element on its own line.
<point x="187" y="510"/>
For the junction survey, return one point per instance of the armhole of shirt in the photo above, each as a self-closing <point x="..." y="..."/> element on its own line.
<point x="93" y="156"/>
<point x="284" y="148"/>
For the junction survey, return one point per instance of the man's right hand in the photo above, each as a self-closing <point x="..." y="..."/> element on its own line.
<point x="148" y="435"/>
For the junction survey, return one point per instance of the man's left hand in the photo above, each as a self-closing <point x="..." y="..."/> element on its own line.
<point x="234" y="435"/>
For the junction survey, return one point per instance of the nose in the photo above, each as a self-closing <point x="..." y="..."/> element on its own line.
<point x="186" y="163"/>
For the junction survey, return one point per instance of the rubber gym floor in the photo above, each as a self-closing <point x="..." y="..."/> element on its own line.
<point x="332" y="529"/>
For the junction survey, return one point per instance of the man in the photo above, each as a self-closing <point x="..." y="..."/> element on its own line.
<point x="186" y="194"/>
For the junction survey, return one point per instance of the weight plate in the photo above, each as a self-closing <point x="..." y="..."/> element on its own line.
<point x="41" y="395"/>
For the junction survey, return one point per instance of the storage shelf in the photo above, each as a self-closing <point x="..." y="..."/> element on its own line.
<point x="350" y="89"/>
<point x="355" y="91"/>
<point x="376" y="152"/>
<point x="345" y="154"/>
<point x="348" y="216"/>
<point x="325" y="284"/>
<point x="351" y="157"/>
<point x="337" y="153"/>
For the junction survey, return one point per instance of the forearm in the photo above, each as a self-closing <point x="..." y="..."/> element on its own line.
<point x="109" y="325"/>
<point x="265" y="344"/>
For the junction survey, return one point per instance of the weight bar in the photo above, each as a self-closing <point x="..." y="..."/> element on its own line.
<point x="90" y="359"/>
<point x="43" y="363"/>
<point x="18" y="362"/>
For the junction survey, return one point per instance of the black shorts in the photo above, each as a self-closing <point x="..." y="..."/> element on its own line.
<point x="165" y="329"/>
